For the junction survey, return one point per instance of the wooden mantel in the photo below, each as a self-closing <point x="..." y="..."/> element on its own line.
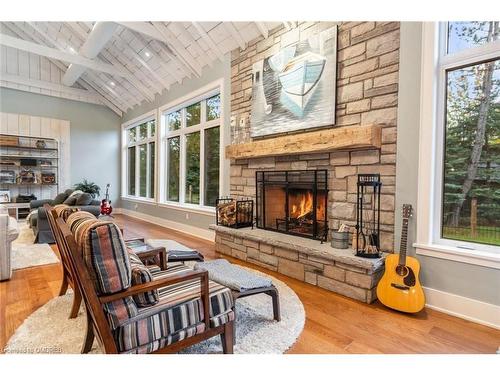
<point x="332" y="139"/>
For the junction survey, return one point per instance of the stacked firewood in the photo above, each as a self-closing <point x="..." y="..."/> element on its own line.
<point x="227" y="213"/>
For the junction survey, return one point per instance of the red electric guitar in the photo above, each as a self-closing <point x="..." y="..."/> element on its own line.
<point x="106" y="208"/>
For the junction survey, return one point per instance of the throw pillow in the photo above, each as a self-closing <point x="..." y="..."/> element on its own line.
<point x="68" y="192"/>
<point x="140" y="275"/>
<point x="84" y="199"/>
<point x="61" y="197"/>
<point x="75" y="193"/>
<point x="70" y="201"/>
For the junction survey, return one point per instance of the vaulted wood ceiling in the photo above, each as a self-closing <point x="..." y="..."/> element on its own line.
<point x="119" y="65"/>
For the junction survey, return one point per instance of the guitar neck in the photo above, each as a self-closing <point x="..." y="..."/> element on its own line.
<point x="404" y="242"/>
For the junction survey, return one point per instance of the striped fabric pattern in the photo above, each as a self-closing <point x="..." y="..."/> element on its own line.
<point x="108" y="263"/>
<point x="168" y="340"/>
<point x="141" y="275"/>
<point x="180" y="308"/>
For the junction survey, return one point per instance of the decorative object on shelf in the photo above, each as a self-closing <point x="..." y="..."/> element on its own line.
<point x="88" y="187"/>
<point x="234" y="213"/>
<point x="4" y="196"/>
<point x="28" y="162"/>
<point x="26" y="176"/>
<point x="106" y="208"/>
<point x="40" y="144"/>
<point x="24" y="198"/>
<point x="45" y="163"/>
<point x="8" y="140"/>
<point x="340" y="238"/>
<point x="368" y="216"/>
<point x="48" y="178"/>
<point x="7" y="177"/>
<point x="295" y="88"/>
<point x="399" y="288"/>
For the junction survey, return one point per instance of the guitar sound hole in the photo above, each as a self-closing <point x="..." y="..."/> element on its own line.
<point x="401" y="270"/>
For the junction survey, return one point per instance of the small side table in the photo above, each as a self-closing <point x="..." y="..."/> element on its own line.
<point x="145" y="251"/>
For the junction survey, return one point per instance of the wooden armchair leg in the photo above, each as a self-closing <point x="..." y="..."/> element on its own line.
<point x="88" y="341"/>
<point x="227" y="338"/>
<point x="77" y="300"/>
<point x="64" y="285"/>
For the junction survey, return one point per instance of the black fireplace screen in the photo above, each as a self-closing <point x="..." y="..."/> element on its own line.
<point x="293" y="202"/>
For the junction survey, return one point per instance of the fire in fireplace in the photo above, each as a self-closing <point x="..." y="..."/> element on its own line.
<point x="293" y="202"/>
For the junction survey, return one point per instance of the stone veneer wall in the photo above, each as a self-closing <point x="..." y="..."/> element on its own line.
<point x="367" y="89"/>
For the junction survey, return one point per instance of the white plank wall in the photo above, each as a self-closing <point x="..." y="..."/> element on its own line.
<point x="34" y="126"/>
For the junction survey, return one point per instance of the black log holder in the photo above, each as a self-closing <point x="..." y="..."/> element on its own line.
<point x="368" y="216"/>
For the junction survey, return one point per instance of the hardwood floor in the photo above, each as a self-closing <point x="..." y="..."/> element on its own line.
<point x="334" y="324"/>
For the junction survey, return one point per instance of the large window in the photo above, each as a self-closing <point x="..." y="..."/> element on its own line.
<point x="140" y="163"/>
<point x="192" y="143"/>
<point x="470" y="87"/>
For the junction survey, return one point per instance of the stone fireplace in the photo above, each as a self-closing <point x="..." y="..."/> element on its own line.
<point x="293" y="202"/>
<point x="362" y="140"/>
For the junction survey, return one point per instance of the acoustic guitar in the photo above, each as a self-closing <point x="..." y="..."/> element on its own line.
<point x="400" y="287"/>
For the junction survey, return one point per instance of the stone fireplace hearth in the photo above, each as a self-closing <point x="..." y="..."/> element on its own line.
<point x="303" y="259"/>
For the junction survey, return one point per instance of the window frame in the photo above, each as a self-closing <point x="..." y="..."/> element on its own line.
<point x="200" y="95"/>
<point x="435" y="64"/>
<point x="149" y="116"/>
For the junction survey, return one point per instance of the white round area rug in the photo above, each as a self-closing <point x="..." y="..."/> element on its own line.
<point x="48" y="329"/>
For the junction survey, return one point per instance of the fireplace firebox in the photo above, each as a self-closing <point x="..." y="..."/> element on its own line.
<point x="293" y="202"/>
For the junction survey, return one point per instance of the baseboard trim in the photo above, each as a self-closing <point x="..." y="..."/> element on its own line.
<point x="463" y="307"/>
<point x="205" y="234"/>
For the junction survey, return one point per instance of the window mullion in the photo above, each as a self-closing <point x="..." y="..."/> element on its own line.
<point x="201" y="187"/>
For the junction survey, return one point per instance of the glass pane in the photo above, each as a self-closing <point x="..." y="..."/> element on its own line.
<point x="131" y="171"/>
<point x="211" y="166"/>
<point x="471" y="191"/>
<point x="193" y="168"/>
<point x="173" y="157"/>
<point x="213" y="107"/>
<point x="462" y="35"/>
<point x="142" y="170"/>
<point x="131" y="135"/>
<point x="151" y="193"/>
<point x="152" y="128"/>
<point x="174" y="120"/>
<point x="143" y="131"/>
<point x="193" y="114"/>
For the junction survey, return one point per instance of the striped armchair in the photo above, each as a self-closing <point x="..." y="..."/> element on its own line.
<point x="133" y="308"/>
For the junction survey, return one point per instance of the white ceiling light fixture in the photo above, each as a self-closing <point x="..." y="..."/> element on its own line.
<point x="147" y="53"/>
<point x="112" y="83"/>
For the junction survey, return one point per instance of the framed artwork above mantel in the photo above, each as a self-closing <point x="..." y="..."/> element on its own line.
<point x="295" y="88"/>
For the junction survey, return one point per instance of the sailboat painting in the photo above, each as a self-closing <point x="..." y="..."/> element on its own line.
<point x="294" y="89"/>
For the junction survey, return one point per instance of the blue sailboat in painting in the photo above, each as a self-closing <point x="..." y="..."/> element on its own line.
<point x="299" y="80"/>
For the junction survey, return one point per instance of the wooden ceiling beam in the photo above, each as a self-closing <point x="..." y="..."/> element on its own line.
<point x="154" y="31"/>
<point x="103" y="82"/>
<point x="204" y="35"/>
<point x="178" y="49"/>
<point x="94" y="43"/>
<point x="109" y="102"/>
<point x="202" y="55"/>
<point x="48" y="86"/>
<point x="263" y="29"/>
<point x="141" y="61"/>
<point x="23" y="45"/>
<point x="142" y="89"/>
<point x="235" y="34"/>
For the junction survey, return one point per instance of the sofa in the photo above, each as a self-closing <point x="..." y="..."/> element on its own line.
<point x="38" y="216"/>
<point x="9" y="231"/>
